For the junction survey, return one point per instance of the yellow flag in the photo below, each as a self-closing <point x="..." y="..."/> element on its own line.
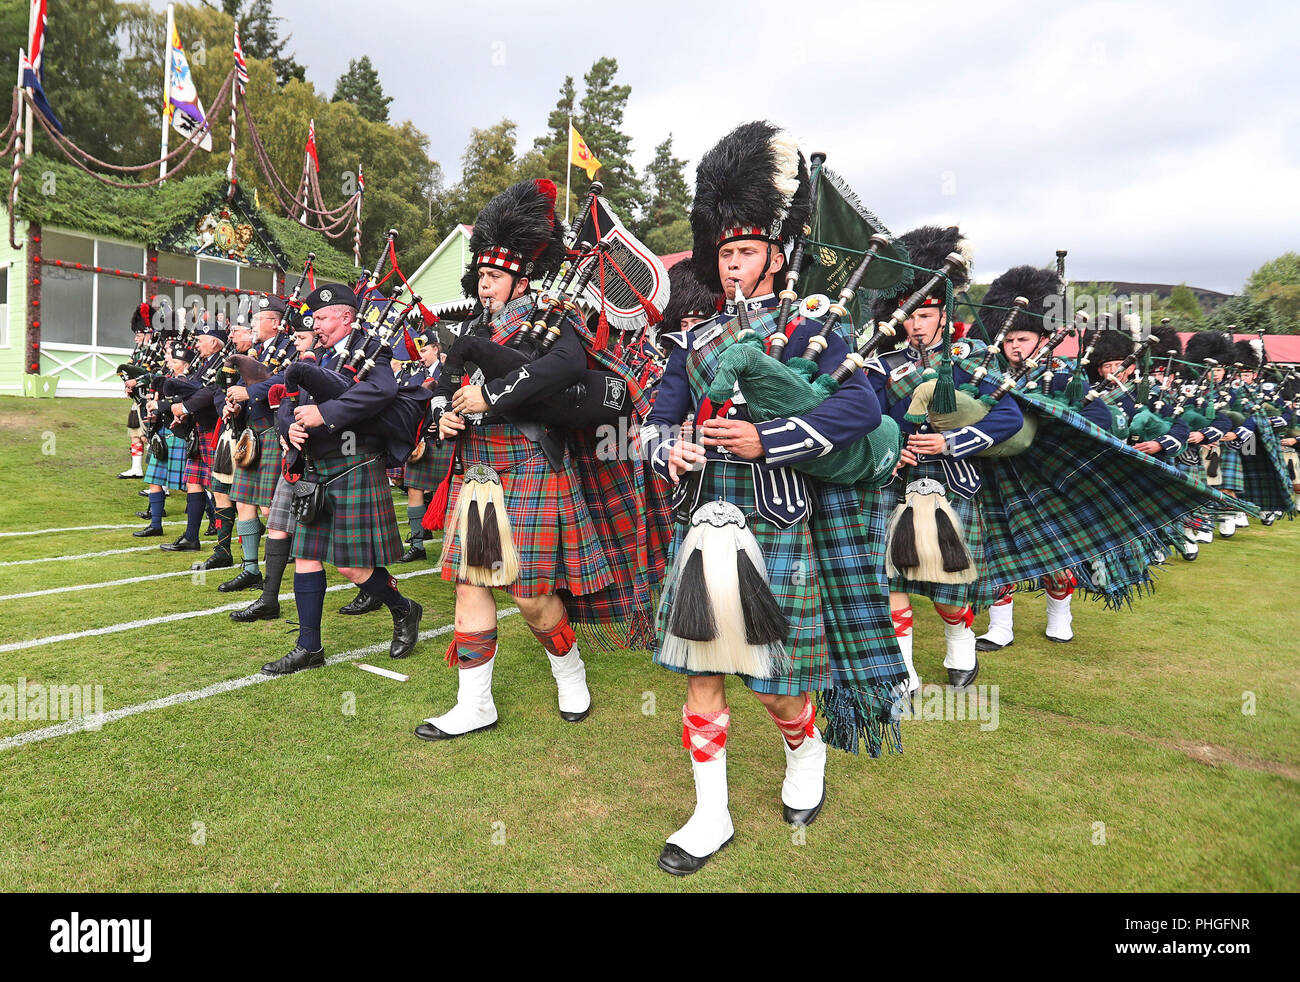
<point x="580" y="155"/>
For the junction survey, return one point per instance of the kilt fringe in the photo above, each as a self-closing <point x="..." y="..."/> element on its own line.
<point x="870" y="714"/>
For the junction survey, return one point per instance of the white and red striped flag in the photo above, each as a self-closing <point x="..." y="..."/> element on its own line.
<point x="311" y="145"/>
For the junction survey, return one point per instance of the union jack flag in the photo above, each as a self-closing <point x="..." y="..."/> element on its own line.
<point x="241" y="66"/>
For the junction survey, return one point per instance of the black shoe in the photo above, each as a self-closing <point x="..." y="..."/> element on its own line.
<point x="246" y="580"/>
<point x="148" y="531"/>
<point x="218" y="560"/>
<point x="984" y="644"/>
<point x="362" y="603"/>
<point x="679" y="862"/>
<point x="1191" y="556"/>
<point x="427" y="731"/>
<point x="295" y="661"/>
<point x="147" y="515"/>
<point x="211" y="529"/>
<point x="143" y="492"/>
<point x="260" y="609"/>
<point x="406" y="630"/>
<point x="959" y="679"/>
<point x="1269" y="520"/>
<point x="411" y="554"/>
<point x="180" y="545"/>
<point x="803" y="816"/>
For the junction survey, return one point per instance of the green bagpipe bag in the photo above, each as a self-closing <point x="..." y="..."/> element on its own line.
<point x="773" y="389"/>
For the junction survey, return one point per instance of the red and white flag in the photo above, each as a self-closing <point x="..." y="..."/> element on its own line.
<point x="311" y="145"/>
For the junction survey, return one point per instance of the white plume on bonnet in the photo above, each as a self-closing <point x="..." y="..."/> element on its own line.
<point x="785" y="154"/>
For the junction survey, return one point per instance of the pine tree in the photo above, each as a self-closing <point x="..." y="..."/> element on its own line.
<point x="360" y="86"/>
<point x="666" y="192"/>
<point x="599" y="120"/>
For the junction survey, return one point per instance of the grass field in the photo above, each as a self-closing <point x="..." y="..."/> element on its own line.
<point x="1159" y="751"/>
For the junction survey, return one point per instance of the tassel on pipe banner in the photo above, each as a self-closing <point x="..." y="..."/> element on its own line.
<point x="925" y="541"/>
<point x="723" y="616"/>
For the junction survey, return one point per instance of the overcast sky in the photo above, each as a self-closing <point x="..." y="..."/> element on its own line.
<point x="1156" y="142"/>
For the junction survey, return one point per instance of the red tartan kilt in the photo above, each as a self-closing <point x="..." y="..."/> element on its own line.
<point x="558" y="545"/>
<point x="200" y="471"/>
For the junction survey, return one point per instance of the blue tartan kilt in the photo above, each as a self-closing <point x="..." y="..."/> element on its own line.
<point x="1082" y="500"/>
<point x="256" y="486"/>
<point x="168" y="473"/>
<point x="1230" y="466"/>
<point x="978" y="593"/>
<point x="792" y="572"/>
<point x="360" y="528"/>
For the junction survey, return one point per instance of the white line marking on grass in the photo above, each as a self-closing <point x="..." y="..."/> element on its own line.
<point x="79" y="528"/>
<point x="96" y="722"/>
<point x="83" y="555"/>
<point x="181" y="616"/>
<point x="98" y="528"/>
<point x="96" y="586"/>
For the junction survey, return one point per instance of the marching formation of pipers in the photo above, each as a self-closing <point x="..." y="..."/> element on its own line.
<point x="815" y="442"/>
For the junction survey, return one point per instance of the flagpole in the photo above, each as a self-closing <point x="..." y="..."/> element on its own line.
<point x="568" y="170"/>
<point x="167" y="72"/>
<point x="31" y="28"/>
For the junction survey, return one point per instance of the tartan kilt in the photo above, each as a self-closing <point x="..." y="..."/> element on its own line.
<point x="1265" y="481"/>
<point x="793" y="574"/>
<point x="280" y="518"/>
<point x="170" y="472"/>
<point x="396" y="476"/>
<point x="1080" y="499"/>
<point x="361" y="527"/>
<point x="256" y="486"/>
<point x="977" y="594"/>
<point x="558" y="546"/>
<point x="427" y="472"/>
<point x="1230" y="466"/>
<point x="200" y="471"/>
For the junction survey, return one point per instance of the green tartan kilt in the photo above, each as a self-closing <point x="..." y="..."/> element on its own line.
<point x="170" y="472"/>
<point x="361" y="527"/>
<point x="256" y="486"/>
<point x="792" y="572"/>
<point x="427" y="473"/>
<point x="977" y="594"/>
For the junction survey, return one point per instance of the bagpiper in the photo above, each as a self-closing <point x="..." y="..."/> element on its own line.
<point x="774" y="576"/>
<point x="348" y="520"/>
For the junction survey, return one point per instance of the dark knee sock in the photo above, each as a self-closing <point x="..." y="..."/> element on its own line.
<point x="309" y="596"/>
<point x="384" y="587"/>
<point x="195" y="504"/>
<point x="157" y="503"/>
<point x="225" y="528"/>
<point x="277" y="557"/>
